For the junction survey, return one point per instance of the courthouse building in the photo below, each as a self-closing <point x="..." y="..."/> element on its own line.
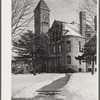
<point x="66" y="40"/>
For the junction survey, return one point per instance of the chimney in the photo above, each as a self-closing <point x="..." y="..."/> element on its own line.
<point x="95" y="23"/>
<point x="82" y="17"/>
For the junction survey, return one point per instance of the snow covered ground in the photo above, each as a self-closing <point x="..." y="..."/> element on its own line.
<point x="81" y="86"/>
<point x="25" y="86"/>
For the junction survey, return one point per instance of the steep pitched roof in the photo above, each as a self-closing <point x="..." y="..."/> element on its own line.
<point x="73" y="30"/>
<point x="56" y="24"/>
<point x="70" y="29"/>
<point x="42" y="5"/>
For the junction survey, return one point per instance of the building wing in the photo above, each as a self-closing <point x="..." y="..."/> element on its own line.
<point x="72" y="29"/>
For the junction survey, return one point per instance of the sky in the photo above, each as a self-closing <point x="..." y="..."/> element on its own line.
<point x="62" y="10"/>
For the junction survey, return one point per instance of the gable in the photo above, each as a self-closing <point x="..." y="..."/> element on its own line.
<point x="56" y="24"/>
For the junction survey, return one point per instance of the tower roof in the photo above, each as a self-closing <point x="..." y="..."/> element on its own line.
<point x="42" y="5"/>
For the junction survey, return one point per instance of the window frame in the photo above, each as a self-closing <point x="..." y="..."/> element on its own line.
<point x="59" y="61"/>
<point x="53" y="49"/>
<point x="68" y="59"/>
<point x="59" y="47"/>
<point x="79" y="46"/>
<point x="68" y="46"/>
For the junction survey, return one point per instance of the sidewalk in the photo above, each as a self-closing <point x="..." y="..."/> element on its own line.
<point x="54" y="87"/>
<point x="25" y="86"/>
<point x="81" y="86"/>
<point x="48" y="91"/>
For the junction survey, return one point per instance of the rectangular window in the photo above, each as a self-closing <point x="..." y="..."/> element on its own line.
<point x="80" y="70"/>
<point x="89" y="69"/>
<point x="68" y="46"/>
<point x="59" y="61"/>
<point x="59" y="34"/>
<point x="54" y="62"/>
<point x="80" y="62"/>
<point x="68" y="59"/>
<point x="95" y="69"/>
<point x="59" y="47"/>
<point x="79" y="46"/>
<point x="53" y="48"/>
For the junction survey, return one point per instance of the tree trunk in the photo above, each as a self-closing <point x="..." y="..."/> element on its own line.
<point x="34" y="72"/>
<point x="86" y="67"/>
<point x="93" y="66"/>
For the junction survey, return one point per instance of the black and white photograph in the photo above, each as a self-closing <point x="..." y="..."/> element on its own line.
<point x="54" y="50"/>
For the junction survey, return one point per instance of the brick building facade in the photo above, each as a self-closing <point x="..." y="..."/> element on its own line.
<point x="65" y="44"/>
<point x="66" y="40"/>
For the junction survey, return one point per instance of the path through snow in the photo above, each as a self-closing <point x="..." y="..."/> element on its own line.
<point x="25" y="86"/>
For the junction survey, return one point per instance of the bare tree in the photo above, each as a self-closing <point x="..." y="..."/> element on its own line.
<point x="22" y="14"/>
<point x="90" y="7"/>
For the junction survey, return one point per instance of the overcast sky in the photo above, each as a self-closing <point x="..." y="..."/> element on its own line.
<point x="62" y="10"/>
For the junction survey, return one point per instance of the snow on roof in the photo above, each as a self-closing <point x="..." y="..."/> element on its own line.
<point x="73" y="29"/>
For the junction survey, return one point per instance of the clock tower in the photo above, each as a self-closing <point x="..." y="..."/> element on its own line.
<point x="42" y="18"/>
